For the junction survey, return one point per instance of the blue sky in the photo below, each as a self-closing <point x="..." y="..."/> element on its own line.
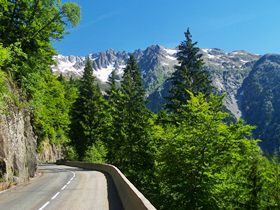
<point x="252" y="25"/>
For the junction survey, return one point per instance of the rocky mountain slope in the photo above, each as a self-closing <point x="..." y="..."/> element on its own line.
<point x="259" y="99"/>
<point x="18" y="144"/>
<point x="227" y="70"/>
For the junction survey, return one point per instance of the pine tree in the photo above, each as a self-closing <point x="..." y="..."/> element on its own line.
<point x="88" y="113"/>
<point x="131" y="149"/>
<point x="112" y="94"/>
<point x="189" y="75"/>
<point x="112" y="84"/>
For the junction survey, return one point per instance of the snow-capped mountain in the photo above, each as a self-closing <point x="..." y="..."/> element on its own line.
<point x="105" y="62"/>
<point x="227" y="70"/>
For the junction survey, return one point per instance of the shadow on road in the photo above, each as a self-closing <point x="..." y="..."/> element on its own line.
<point x="113" y="196"/>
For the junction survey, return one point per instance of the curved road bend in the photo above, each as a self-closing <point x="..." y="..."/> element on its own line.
<point x="63" y="188"/>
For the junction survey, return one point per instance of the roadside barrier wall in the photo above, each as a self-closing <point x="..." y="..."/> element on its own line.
<point x="131" y="197"/>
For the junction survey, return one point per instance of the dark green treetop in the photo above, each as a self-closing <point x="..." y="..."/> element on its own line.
<point x="189" y="75"/>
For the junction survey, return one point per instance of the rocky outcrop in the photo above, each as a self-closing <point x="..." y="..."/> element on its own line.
<point x="18" y="159"/>
<point x="50" y="153"/>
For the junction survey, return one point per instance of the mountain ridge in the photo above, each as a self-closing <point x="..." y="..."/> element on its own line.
<point x="227" y="69"/>
<point x="259" y="101"/>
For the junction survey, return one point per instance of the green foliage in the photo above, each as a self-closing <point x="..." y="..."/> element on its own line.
<point x="71" y="153"/>
<point x="129" y="146"/>
<point x="4" y="91"/>
<point x="27" y="28"/>
<point x="195" y="152"/>
<point x="88" y="115"/>
<point x="112" y="85"/>
<point x="71" y="11"/>
<point x="189" y="159"/>
<point x="35" y="22"/>
<point x="189" y="75"/>
<point x="96" y="153"/>
<point x="49" y="105"/>
<point x="4" y="55"/>
<point x="71" y="90"/>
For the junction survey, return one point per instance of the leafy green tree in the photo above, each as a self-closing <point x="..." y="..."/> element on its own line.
<point x="4" y="54"/>
<point x="4" y="57"/>
<point x="189" y="75"/>
<point x="195" y="152"/>
<point x="251" y="181"/>
<point x="88" y="116"/>
<point x="49" y="106"/>
<point x="270" y="174"/>
<point x="29" y="26"/>
<point x="96" y="153"/>
<point x="27" y="29"/>
<point x="71" y="89"/>
<point x="34" y="22"/>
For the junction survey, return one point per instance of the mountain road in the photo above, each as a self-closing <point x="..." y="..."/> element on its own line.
<point x="63" y="188"/>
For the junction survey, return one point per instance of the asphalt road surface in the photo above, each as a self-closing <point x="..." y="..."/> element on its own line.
<point x="63" y="188"/>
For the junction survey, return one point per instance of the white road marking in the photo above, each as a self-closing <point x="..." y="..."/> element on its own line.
<point x="63" y="187"/>
<point x="47" y="203"/>
<point x="44" y="206"/>
<point x="55" y="195"/>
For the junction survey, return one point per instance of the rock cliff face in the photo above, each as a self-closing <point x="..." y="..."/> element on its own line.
<point x="50" y="153"/>
<point x="18" y="158"/>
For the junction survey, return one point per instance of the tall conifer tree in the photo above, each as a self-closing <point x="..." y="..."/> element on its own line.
<point x="88" y="113"/>
<point x="112" y="97"/>
<point x="112" y="82"/>
<point x="131" y="147"/>
<point x="189" y="75"/>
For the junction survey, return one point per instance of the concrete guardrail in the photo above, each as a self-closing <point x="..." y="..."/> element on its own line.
<point x="131" y="197"/>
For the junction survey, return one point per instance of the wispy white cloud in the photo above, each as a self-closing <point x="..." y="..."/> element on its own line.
<point x="96" y="20"/>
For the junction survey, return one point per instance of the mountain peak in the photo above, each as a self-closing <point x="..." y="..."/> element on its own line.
<point x="110" y="51"/>
<point x="153" y="49"/>
<point x="271" y="57"/>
